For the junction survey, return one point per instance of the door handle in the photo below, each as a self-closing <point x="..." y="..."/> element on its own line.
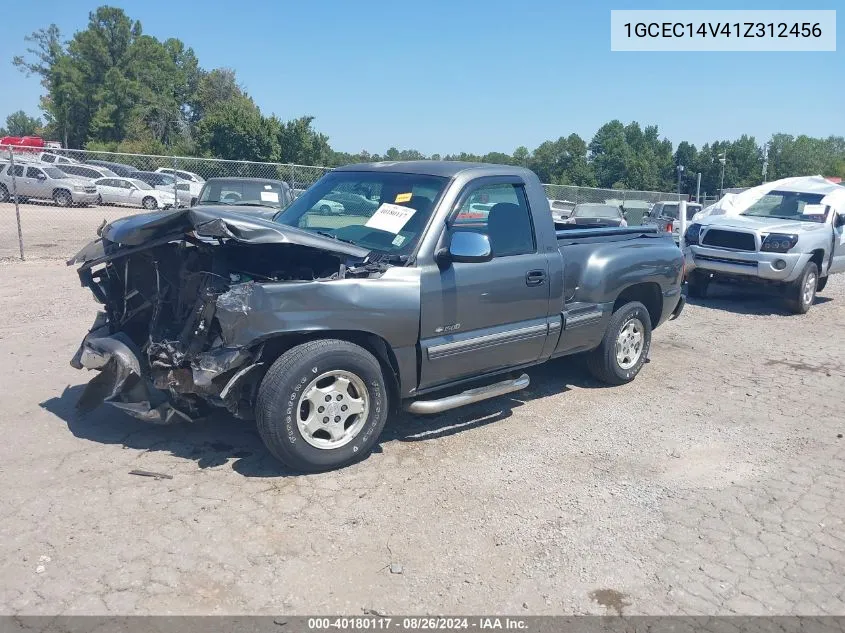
<point x="535" y="277"/>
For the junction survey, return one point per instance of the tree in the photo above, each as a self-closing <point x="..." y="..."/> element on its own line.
<point x="610" y="153"/>
<point x="19" y="124"/>
<point x="236" y="130"/>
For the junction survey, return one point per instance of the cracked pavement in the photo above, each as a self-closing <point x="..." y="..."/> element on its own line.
<point x="712" y="484"/>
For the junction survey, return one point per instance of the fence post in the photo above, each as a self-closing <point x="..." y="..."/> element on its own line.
<point x="175" y="185"/>
<point x="15" y="194"/>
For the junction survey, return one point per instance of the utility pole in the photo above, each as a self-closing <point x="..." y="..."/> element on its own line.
<point x="698" y="187"/>
<point x="680" y="171"/>
<point x="765" y="161"/>
<point x="723" y="158"/>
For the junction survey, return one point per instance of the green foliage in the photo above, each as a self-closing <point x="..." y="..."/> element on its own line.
<point x="19" y="124"/>
<point x="111" y="87"/>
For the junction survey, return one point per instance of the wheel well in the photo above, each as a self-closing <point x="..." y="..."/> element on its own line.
<point x="377" y="346"/>
<point x="58" y="189"/>
<point x="818" y="258"/>
<point x="647" y="293"/>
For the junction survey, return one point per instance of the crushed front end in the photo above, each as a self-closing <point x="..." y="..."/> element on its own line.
<point x="166" y="344"/>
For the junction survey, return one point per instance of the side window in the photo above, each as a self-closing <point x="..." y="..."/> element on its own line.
<point x="501" y="212"/>
<point x="48" y="158"/>
<point x="17" y="171"/>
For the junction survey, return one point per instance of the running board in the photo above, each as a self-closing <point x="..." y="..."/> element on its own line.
<point x="468" y="397"/>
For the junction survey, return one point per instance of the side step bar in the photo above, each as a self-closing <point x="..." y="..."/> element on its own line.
<point x="468" y="397"/>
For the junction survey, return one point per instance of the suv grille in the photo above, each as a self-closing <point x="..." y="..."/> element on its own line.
<point x="729" y="239"/>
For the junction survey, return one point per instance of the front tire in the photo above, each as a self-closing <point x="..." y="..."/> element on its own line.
<point x="624" y="348"/>
<point x="326" y="209"/>
<point x="322" y="405"/>
<point x="802" y="292"/>
<point x="149" y="203"/>
<point x="62" y="198"/>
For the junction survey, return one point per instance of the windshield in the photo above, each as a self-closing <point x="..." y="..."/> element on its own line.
<point x="140" y="184"/>
<point x="382" y="211"/>
<point x="247" y="193"/>
<point x="596" y="211"/>
<point x="54" y="173"/>
<point x="789" y="205"/>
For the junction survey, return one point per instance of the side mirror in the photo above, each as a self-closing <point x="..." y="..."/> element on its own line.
<point x="840" y="219"/>
<point x="466" y="247"/>
<point x="41" y="177"/>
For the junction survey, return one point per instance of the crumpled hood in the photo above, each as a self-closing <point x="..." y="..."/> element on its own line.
<point x="155" y="227"/>
<point x="764" y="225"/>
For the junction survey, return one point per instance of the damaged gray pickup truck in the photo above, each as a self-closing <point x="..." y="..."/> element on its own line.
<point x="320" y="325"/>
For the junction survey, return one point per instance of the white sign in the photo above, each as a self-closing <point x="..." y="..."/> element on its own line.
<point x="269" y="196"/>
<point x="813" y="209"/>
<point x="390" y="218"/>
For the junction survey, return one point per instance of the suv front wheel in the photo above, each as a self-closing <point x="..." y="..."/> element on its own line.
<point x="801" y="293"/>
<point x="62" y="197"/>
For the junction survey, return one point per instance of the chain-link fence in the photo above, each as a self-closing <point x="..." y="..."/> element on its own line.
<point x="35" y="228"/>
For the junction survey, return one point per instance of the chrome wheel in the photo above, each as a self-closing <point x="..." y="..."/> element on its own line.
<point x="333" y="409"/>
<point x="809" y="291"/>
<point x="629" y="343"/>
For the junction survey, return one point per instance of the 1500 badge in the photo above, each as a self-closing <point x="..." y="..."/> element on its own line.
<point x="440" y="329"/>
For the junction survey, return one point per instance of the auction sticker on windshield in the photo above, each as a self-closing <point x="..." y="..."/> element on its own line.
<point x="269" y="196"/>
<point x="390" y="218"/>
<point x="814" y="209"/>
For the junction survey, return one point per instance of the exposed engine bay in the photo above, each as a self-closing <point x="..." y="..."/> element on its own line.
<point x="166" y="344"/>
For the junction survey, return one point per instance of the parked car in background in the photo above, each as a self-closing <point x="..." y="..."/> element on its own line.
<point x="791" y="239"/>
<point x="561" y="209"/>
<point x="264" y="197"/>
<point x="125" y="171"/>
<point x="353" y="203"/>
<point x="321" y="330"/>
<point x="665" y="215"/>
<point x="56" y="159"/>
<point x="133" y="192"/>
<point x="195" y="181"/>
<point x="166" y="182"/>
<point x="596" y="214"/>
<point x="46" y="183"/>
<point x="88" y="172"/>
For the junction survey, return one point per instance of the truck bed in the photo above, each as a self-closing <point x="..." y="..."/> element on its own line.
<point x="571" y="233"/>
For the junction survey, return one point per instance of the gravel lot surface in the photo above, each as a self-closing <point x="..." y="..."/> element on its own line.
<point x="713" y="484"/>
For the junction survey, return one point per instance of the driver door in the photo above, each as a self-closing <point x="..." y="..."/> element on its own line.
<point x="481" y="317"/>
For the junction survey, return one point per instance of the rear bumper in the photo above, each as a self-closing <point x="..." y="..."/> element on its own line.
<point x="747" y="264"/>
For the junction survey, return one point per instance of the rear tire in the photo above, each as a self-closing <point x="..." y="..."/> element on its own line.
<point x="62" y="198"/>
<point x="149" y="203"/>
<point x="4" y="194"/>
<point x="801" y="293"/>
<point x="624" y="348"/>
<point x="285" y="412"/>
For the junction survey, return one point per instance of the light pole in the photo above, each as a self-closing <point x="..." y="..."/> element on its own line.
<point x="723" y="158"/>
<point x="680" y="172"/>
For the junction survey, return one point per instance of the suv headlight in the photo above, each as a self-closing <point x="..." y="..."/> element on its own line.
<point x="778" y="243"/>
<point x="692" y="234"/>
<point x="78" y="188"/>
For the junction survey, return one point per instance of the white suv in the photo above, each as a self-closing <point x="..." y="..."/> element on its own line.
<point x="47" y="183"/>
<point x="195" y="181"/>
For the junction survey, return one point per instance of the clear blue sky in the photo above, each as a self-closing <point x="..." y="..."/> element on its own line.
<point x="476" y="76"/>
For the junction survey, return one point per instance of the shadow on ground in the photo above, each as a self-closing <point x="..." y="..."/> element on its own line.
<point x="219" y="438"/>
<point x="747" y="299"/>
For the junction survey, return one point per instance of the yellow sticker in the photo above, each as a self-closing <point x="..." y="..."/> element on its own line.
<point x="403" y="197"/>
